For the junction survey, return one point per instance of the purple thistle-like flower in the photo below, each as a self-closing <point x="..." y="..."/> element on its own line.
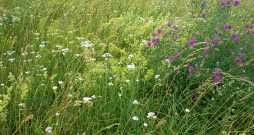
<point x="176" y="28"/>
<point x="238" y="60"/>
<point x="176" y="37"/>
<point x="217" y="78"/>
<point x="251" y="26"/>
<point x="216" y="31"/>
<point x="229" y="26"/>
<point x="215" y="72"/>
<point x="243" y="55"/>
<point x="171" y="58"/>
<point x="191" y="69"/>
<point x="216" y="40"/>
<point x="229" y="2"/>
<point x="237" y="3"/>
<point x="154" y="40"/>
<point x="177" y="55"/>
<point x="153" y="34"/>
<point x="224" y="27"/>
<point x="207" y="50"/>
<point x="248" y="32"/>
<point x="158" y="39"/>
<point x="207" y="40"/>
<point x="237" y="39"/>
<point x="232" y="52"/>
<point x="192" y="42"/>
<point x="169" y="24"/>
<point x="159" y="31"/>
<point x="223" y="3"/>
<point x="234" y="36"/>
<point x="203" y="4"/>
<point x="204" y="15"/>
<point x="149" y="44"/>
<point x="247" y="25"/>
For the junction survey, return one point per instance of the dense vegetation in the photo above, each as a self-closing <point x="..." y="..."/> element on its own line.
<point x="126" y="67"/>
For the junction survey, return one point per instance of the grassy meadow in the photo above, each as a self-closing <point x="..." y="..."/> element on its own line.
<point x="81" y="67"/>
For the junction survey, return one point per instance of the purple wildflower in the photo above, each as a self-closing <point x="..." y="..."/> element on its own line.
<point x="176" y="28"/>
<point x="191" y="69"/>
<point x="169" y="24"/>
<point x="223" y="3"/>
<point x="177" y="55"/>
<point x="203" y="4"/>
<point x="216" y="40"/>
<point x="232" y="52"/>
<point x="216" y="31"/>
<point x="207" y="40"/>
<point x="243" y="55"/>
<point x="228" y="2"/>
<point x="204" y="15"/>
<point x="234" y="36"/>
<point x="248" y="32"/>
<point x="237" y="3"/>
<point x="171" y="58"/>
<point x="159" y="31"/>
<point x="176" y="37"/>
<point x="216" y="73"/>
<point x="192" y="42"/>
<point x="251" y="26"/>
<point x="158" y="39"/>
<point x="149" y="44"/>
<point x="153" y="34"/>
<point x="217" y="78"/>
<point x="238" y="60"/>
<point x="247" y="25"/>
<point x="154" y="40"/>
<point x="237" y="39"/>
<point x="207" y="50"/>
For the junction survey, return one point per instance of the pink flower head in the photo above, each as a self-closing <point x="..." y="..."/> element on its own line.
<point x="197" y="33"/>
<point x="207" y="50"/>
<point x="237" y="39"/>
<point x="159" y="31"/>
<point x="149" y="44"/>
<point x="216" y="73"/>
<point x="243" y="55"/>
<point x="251" y="26"/>
<point x="237" y="3"/>
<point x="154" y="40"/>
<point x="232" y="52"/>
<point x="223" y="3"/>
<point x="234" y="36"/>
<point x="207" y="40"/>
<point x="228" y="2"/>
<point x="229" y="26"/>
<point x="176" y="28"/>
<point x="153" y="34"/>
<point x="204" y="15"/>
<point x="217" y="78"/>
<point x="192" y="42"/>
<point x="171" y="58"/>
<point x="203" y="4"/>
<point x="176" y="37"/>
<point x="224" y="27"/>
<point x="191" y="69"/>
<point x="248" y="32"/>
<point x="216" y="40"/>
<point x="247" y="25"/>
<point x="216" y="31"/>
<point x="158" y="39"/>
<point x="238" y="60"/>
<point x="177" y="56"/>
<point x="169" y="24"/>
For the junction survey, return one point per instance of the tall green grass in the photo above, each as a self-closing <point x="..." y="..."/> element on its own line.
<point x="58" y="54"/>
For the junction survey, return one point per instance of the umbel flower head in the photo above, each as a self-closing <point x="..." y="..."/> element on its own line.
<point x="217" y="78"/>
<point x="223" y="3"/>
<point x="216" y="40"/>
<point x="159" y="31"/>
<point x="191" y="69"/>
<point x="171" y="58"/>
<point x="237" y="3"/>
<point x="169" y="24"/>
<point x="238" y="60"/>
<point x="203" y="4"/>
<point x="204" y="15"/>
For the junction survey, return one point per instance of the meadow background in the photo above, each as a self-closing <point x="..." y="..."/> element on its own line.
<point x="87" y="67"/>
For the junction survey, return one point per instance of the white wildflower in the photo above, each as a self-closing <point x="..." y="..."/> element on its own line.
<point x="187" y="110"/>
<point x="49" y="129"/>
<point x="145" y="124"/>
<point x="57" y="114"/>
<point x="93" y="96"/>
<point x="132" y="66"/>
<point x="110" y="84"/>
<point x="87" y="98"/>
<point x="55" y="87"/>
<point x="135" y="102"/>
<point x="157" y="76"/>
<point x="127" y="80"/>
<point x="150" y="114"/>
<point x="135" y="118"/>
